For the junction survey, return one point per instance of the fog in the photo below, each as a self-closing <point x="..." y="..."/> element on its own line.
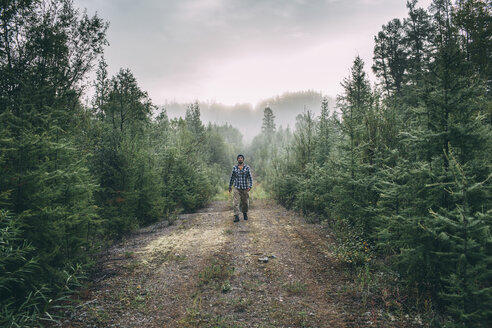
<point x="248" y="118"/>
<point x="236" y="57"/>
<point x="240" y="51"/>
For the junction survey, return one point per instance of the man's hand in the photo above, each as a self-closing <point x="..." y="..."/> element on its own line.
<point x="249" y="189"/>
<point x="230" y="189"/>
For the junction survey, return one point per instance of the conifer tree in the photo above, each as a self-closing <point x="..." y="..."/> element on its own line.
<point x="390" y="56"/>
<point x="193" y="121"/>
<point x="123" y="165"/>
<point x="304" y="139"/>
<point x="474" y="20"/>
<point x="354" y="103"/>
<point x="465" y="252"/>
<point x="46" y="49"/>
<point x="268" y="126"/>
<point x="418" y="30"/>
<point x="324" y="133"/>
<point x="447" y="115"/>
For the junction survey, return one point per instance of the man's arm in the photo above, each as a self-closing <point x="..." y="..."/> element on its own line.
<point x="250" y="180"/>
<point x="231" y="180"/>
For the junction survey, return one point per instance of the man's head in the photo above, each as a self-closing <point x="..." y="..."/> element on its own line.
<point x="240" y="159"/>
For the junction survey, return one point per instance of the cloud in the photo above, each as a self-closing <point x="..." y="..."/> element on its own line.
<point x="200" y="47"/>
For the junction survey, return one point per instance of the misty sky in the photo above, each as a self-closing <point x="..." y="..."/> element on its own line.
<point x="233" y="51"/>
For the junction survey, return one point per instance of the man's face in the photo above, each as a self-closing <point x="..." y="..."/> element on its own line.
<point x="240" y="160"/>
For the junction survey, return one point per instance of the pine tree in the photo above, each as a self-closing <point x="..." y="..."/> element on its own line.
<point x="268" y="127"/>
<point x="46" y="49"/>
<point x="474" y="20"/>
<point x="446" y="126"/>
<point x="354" y="103"/>
<point x="465" y="254"/>
<point x="390" y="56"/>
<point x="193" y="121"/>
<point x="324" y="133"/>
<point x="123" y="164"/>
<point x="304" y="139"/>
<point x="101" y="85"/>
<point x="418" y="30"/>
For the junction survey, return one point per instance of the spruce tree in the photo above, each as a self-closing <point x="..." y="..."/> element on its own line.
<point x="354" y="104"/>
<point x="445" y="139"/>
<point x="46" y="49"/>
<point x="324" y="133"/>
<point x="268" y="126"/>
<point x="390" y="56"/>
<point x="418" y="29"/>
<point x="193" y="121"/>
<point x="466" y="255"/>
<point x="304" y="139"/>
<point x="122" y="164"/>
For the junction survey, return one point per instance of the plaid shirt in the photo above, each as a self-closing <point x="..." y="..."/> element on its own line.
<point x="241" y="178"/>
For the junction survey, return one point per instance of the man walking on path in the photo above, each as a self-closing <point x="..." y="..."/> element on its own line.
<point x="242" y="181"/>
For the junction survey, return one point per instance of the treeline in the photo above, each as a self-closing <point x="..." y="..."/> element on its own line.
<point x="402" y="171"/>
<point x="74" y="178"/>
<point x="248" y="118"/>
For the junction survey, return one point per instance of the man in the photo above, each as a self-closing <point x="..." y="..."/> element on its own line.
<point x="242" y="181"/>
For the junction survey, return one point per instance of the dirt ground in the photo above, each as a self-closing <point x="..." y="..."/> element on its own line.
<point x="204" y="271"/>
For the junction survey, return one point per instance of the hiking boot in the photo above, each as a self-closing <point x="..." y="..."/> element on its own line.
<point x="236" y="218"/>
<point x="245" y="215"/>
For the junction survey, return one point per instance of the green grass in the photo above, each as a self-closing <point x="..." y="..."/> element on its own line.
<point x="226" y="286"/>
<point x="295" y="288"/>
<point x="217" y="276"/>
<point x="240" y="304"/>
<point x="196" y="316"/>
<point x="257" y="193"/>
<point x="132" y="265"/>
<point x="98" y="315"/>
<point x="223" y="195"/>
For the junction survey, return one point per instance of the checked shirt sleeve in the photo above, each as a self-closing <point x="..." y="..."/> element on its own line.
<point x="233" y="177"/>
<point x="250" y="180"/>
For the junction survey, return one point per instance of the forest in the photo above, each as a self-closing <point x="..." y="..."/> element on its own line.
<point x="400" y="170"/>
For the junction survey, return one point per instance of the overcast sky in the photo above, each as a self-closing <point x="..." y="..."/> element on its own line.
<point x="235" y="51"/>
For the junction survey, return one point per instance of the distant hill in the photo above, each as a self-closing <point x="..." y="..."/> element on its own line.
<point x="248" y="119"/>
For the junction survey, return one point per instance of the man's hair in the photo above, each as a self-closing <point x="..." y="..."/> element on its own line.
<point x="240" y="155"/>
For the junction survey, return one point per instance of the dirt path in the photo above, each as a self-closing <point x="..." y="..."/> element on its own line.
<point x="204" y="271"/>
